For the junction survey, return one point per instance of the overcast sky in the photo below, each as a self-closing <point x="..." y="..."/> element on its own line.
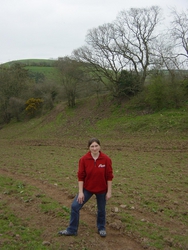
<point x="46" y="29"/>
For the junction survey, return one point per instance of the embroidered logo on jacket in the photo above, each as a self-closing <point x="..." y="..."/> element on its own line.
<point x="101" y="166"/>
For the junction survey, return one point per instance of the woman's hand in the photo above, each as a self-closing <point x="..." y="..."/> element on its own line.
<point x="80" y="198"/>
<point x="109" y="192"/>
<point x="108" y="195"/>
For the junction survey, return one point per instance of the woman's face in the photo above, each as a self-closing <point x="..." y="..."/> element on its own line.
<point x="94" y="148"/>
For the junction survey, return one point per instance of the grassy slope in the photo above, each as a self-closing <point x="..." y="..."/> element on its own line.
<point x="51" y="73"/>
<point x="30" y="61"/>
<point x="37" y="65"/>
<point x="92" y="117"/>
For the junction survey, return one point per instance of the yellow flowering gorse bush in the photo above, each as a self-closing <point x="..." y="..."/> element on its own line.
<point x="33" y="105"/>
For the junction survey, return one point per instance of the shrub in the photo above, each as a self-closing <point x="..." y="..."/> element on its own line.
<point x="16" y="107"/>
<point x="33" y="105"/>
<point x="128" y="84"/>
<point x="156" y="93"/>
<point x="163" y="93"/>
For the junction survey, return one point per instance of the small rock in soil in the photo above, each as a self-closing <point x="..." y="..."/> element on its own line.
<point x="46" y="243"/>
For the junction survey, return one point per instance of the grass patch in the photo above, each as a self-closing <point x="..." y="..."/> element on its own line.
<point x="48" y="205"/>
<point x="14" y="232"/>
<point x="17" y="188"/>
<point x="158" y="122"/>
<point x="15" y="235"/>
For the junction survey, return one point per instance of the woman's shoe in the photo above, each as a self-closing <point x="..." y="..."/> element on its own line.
<point x="66" y="233"/>
<point x="102" y="233"/>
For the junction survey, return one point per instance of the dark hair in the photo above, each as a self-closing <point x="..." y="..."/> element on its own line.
<point x="93" y="140"/>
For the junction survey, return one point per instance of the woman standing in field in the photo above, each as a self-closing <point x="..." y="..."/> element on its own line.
<point x="95" y="176"/>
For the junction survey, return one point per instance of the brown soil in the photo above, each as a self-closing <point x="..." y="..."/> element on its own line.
<point x="51" y="224"/>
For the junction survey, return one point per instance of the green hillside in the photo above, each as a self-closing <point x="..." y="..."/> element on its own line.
<point x="97" y="114"/>
<point x="106" y="120"/>
<point x="41" y="66"/>
<point x="50" y="72"/>
<point x="49" y="62"/>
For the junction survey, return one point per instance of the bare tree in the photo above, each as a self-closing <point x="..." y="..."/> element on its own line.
<point x="13" y="83"/>
<point x="71" y="77"/>
<point x="179" y="31"/>
<point x="136" y="36"/>
<point x="124" y="44"/>
<point x="100" y="56"/>
<point x="171" y="52"/>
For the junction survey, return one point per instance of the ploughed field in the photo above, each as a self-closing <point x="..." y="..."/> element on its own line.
<point x="148" y="209"/>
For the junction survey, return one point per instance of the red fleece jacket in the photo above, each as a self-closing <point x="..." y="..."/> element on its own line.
<point x="95" y="174"/>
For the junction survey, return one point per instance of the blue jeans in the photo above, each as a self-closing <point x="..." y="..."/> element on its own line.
<point x="75" y="211"/>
